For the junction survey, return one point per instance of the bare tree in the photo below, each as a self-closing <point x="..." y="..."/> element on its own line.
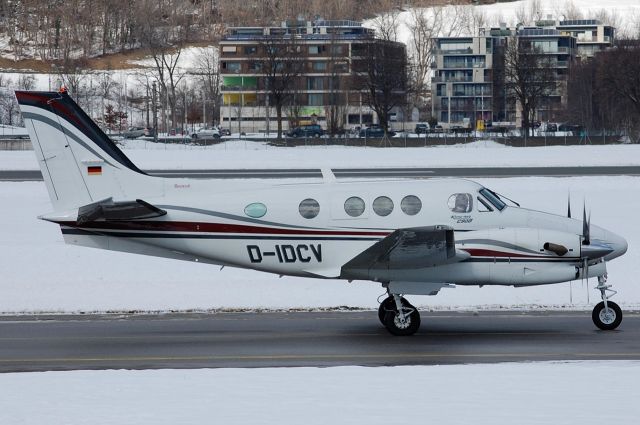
<point x="529" y="77"/>
<point x="382" y="78"/>
<point x="387" y="24"/>
<point x="424" y="25"/>
<point x="618" y="72"/>
<point x="207" y="72"/>
<point x="281" y="62"/>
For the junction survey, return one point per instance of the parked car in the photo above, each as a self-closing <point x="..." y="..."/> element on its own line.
<point x="375" y="131"/>
<point x="133" y="132"/>
<point x="438" y="129"/>
<point x="224" y="131"/>
<point x="206" y="133"/>
<point x="457" y="129"/>
<point x="573" y="128"/>
<point x="312" y="130"/>
<point x="422" y="128"/>
<point x="149" y="132"/>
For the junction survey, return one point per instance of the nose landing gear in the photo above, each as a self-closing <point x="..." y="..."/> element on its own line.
<point x="399" y="316"/>
<point x="607" y="315"/>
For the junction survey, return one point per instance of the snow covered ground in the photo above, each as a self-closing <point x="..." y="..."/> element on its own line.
<point x="559" y="393"/>
<point x="39" y="273"/>
<point x="246" y="154"/>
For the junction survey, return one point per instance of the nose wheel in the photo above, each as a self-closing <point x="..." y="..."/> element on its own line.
<point x="399" y="316"/>
<point x="607" y="315"/>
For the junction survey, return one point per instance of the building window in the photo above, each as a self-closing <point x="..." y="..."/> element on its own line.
<point x="354" y="206"/>
<point x="315" y="83"/>
<point x="383" y="206"/>
<point x="231" y="66"/>
<point x="309" y="208"/>
<point x="319" y="66"/>
<point x="315" y="50"/>
<point x="336" y="50"/>
<point x="228" y="49"/>
<point x="315" y="99"/>
<point x="411" y="205"/>
<point x="250" y="50"/>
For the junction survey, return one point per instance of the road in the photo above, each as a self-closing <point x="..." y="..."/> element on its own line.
<point x="31" y="175"/>
<point x="37" y="343"/>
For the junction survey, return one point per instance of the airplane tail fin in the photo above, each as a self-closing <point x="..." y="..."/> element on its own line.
<point x="79" y="163"/>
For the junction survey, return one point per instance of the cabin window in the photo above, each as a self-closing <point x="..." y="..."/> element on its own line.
<point x="309" y="208"/>
<point x="383" y="206"/>
<point x="460" y="203"/>
<point x="411" y="205"/>
<point x="354" y="206"/>
<point x="255" y="210"/>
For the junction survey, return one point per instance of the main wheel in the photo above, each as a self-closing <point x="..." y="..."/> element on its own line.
<point x="389" y="304"/>
<point x="609" y="318"/>
<point x="398" y="326"/>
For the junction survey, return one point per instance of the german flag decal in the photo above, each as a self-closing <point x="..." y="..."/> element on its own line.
<point x="94" y="170"/>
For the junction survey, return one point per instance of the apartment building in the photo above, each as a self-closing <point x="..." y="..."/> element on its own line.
<point x="469" y="84"/>
<point x="331" y="52"/>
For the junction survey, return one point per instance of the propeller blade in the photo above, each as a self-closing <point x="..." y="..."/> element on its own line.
<point x="586" y="227"/>
<point x="569" y="205"/>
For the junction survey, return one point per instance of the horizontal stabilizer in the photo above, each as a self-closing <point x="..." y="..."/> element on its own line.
<point x="118" y="211"/>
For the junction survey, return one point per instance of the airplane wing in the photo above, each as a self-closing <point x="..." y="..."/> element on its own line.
<point x="411" y="248"/>
<point x="109" y="210"/>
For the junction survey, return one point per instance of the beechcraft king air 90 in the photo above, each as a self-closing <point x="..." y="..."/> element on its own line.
<point x="414" y="237"/>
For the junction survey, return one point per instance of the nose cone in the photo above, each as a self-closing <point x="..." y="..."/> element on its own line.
<point x="617" y="243"/>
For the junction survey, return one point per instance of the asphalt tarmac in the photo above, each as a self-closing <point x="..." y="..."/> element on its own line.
<point x="42" y="343"/>
<point x="34" y="175"/>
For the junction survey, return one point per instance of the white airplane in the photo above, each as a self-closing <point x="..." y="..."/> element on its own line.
<point x="414" y="237"/>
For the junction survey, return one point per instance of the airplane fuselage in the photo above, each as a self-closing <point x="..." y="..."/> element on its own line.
<point x="261" y="226"/>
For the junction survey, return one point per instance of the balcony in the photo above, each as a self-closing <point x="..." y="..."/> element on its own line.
<point x="440" y="79"/>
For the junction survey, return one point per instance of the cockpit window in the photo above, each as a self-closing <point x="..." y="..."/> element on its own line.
<point x="493" y="198"/>
<point x="487" y="206"/>
<point x="460" y="202"/>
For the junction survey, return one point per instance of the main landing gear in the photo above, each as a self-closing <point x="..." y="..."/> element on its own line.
<point x="399" y="316"/>
<point x="607" y="315"/>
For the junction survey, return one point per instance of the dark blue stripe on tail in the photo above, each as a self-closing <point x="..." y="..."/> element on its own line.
<point x="64" y="106"/>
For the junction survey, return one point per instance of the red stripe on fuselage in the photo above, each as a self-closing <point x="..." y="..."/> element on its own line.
<point x="189" y="226"/>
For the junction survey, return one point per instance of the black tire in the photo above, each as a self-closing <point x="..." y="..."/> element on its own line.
<point x="390" y="305"/>
<point x="411" y="325"/>
<point x="216" y="136"/>
<point x="194" y="136"/>
<point x="604" y="321"/>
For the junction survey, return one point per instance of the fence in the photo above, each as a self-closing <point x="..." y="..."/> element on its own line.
<point x="399" y="141"/>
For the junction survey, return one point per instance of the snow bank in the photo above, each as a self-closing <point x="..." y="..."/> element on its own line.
<point x="245" y="154"/>
<point x="559" y="393"/>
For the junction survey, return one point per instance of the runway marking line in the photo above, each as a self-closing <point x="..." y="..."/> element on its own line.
<point x="318" y="357"/>
<point x="211" y="335"/>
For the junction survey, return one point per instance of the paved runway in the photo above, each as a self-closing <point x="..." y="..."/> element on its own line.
<point x="30" y="175"/>
<point x="36" y="343"/>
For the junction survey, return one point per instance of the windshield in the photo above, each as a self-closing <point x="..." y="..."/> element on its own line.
<point x="492" y="197"/>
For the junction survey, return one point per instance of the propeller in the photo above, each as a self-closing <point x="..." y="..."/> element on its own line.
<point x="586" y="227"/>
<point x="569" y="204"/>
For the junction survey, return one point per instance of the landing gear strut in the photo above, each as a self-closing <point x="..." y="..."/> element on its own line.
<point x="607" y="315"/>
<point x="399" y="316"/>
